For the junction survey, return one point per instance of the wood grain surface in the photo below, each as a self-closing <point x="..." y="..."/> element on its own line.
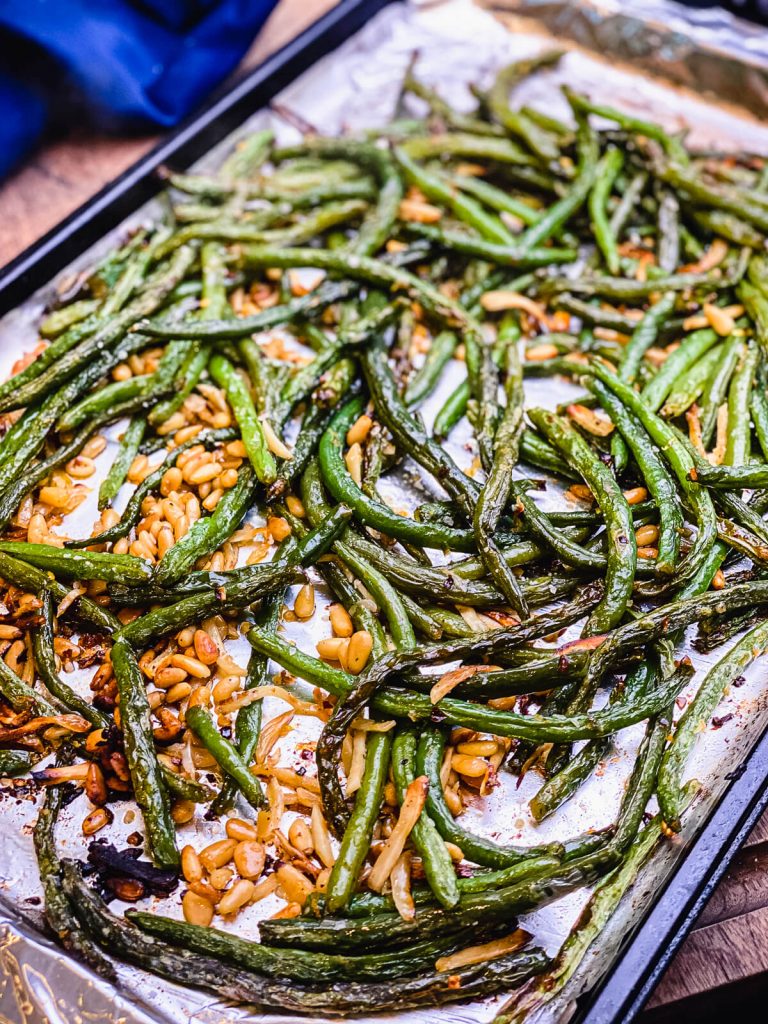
<point x="725" y="958"/>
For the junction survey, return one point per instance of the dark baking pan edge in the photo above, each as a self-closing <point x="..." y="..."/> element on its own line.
<point x="620" y="995"/>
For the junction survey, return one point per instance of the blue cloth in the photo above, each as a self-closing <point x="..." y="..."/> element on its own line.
<point x="133" y="62"/>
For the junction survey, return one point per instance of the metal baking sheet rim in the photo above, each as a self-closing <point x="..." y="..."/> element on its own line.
<point x="42" y="983"/>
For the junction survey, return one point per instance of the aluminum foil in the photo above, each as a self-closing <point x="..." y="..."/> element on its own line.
<point x="356" y="87"/>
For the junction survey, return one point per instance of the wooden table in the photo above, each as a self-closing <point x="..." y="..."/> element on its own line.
<point x="723" y="960"/>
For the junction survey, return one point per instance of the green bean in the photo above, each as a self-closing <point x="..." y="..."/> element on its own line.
<point x="557" y="789"/>
<point x="475" y="848"/>
<point x="622" y="546"/>
<point x="500" y="253"/>
<point x="45" y="660"/>
<point x="80" y="565"/>
<point x="105" y="339"/>
<point x="717" y="386"/>
<point x="127" y="451"/>
<point x="438" y="866"/>
<point x="739" y="443"/>
<point x="692" y="383"/>
<point x="28" y="577"/>
<point x="207" y="534"/>
<point x="227" y="377"/>
<point x="498" y="486"/>
<point x="560" y="212"/>
<point x="255" y="989"/>
<point x="497" y="198"/>
<point x="22" y="697"/>
<point x="60" y="320"/>
<point x="655" y="474"/>
<point x="649" y="129"/>
<point x="681" y="463"/>
<point x="14" y="762"/>
<point x="357" y="835"/>
<point x="608" y="170"/>
<point x="425" y="379"/>
<point x="146" y="777"/>
<point x="538" y="140"/>
<point x="383" y="593"/>
<point x="698" y="712"/>
<point x="464" y="207"/>
<point x="226" y="755"/>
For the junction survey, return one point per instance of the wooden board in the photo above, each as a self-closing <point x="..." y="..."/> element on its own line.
<point x="730" y="942"/>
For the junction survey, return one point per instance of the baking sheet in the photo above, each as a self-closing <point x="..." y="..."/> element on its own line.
<point x="354" y="88"/>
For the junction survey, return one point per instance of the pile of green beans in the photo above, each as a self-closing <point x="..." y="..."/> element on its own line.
<point x="533" y="594"/>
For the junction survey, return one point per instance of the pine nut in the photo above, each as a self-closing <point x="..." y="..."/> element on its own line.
<point x="647" y="535"/>
<point x="200" y="474"/>
<point x="178" y="693"/>
<point x="192" y="666"/>
<point x="294" y="883"/>
<point x="187" y="433"/>
<point x="81" y="467"/>
<point x="240" y="894"/>
<point x="341" y="623"/>
<point x="241" y="830"/>
<point x="172" y="424"/>
<point x="279" y="528"/>
<point x="94" y="447"/>
<point x="300" y="836"/>
<point x="472" y="767"/>
<point x="225" y="688"/>
<point x="212" y="500"/>
<point x="121" y="372"/>
<point x="329" y="649"/>
<point x="228" y="479"/>
<point x="359" y="650"/>
<point x="354" y="462"/>
<point x="191" y="867"/>
<point x="168" y="676"/>
<point x="218" y="854"/>
<point x="359" y="430"/>
<point x="635" y="495"/>
<point x="171" y="481"/>
<point x="304" y="605"/>
<point x="165" y="540"/>
<point x="37" y="531"/>
<point x="139" y="469"/>
<point x="96" y="820"/>
<point x="250" y="859"/>
<point x="236" y="449"/>
<point x="197" y="909"/>
<point x="220" y="878"/>
<point x="295" y="506"/>
<point x="206" y="648"/>
<point x="182" y="812"/>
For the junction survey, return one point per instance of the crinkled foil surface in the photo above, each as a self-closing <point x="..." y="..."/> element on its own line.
<point x="354" y="88"/>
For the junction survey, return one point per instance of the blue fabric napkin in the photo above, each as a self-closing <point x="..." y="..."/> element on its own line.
<point x="132" y="62"/>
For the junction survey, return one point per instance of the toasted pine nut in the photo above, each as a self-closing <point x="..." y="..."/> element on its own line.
<point x="197" y="909"/>
<point x="472" y="767"/>
<point x="96" y="820"/>
<point x="250" y="859"/>
<point x="647" y="552"/>
<point x="139" y="469"/>
<point x="236" y="449"/>
<point x="225" y="688"/>
<point x="192" y="666"/>
<point x="581" y="491"/>
<point x="191" y="867"/>
<point x="37" y="531"/>
<point x="213" y="499"/>
<point x="341" y="623"/>
<point x="94" y="447"/>
<point x="220" y="878"/>
<point x="182" y="811"/>
<point x="304" y="605"/>
<point x="295" y="506"/>
<point x="635" y="495"/>
<point x="187" y="433"/>
<point x="478" y="748"/>
<point x="420" y="211"/>
<point x="217" y="854"/>
<point x="294" y="883"/>
<point x="359" y="430"/>
<point x="538" y="353"/>
<point x="648" y="534"/>
<point x="240" y="894"/>
<point x="241" y="830"/>
<point x="718" y="580"/>
<point x="228" y="479"/>
<point x="80" y="467"/>
<point x="9" y="632"/>
<point x="329" y="649"/>
<point x="178" y="693"/>
<point x="168" y="676"/>
<point x="171" y="481"/>
<point x="206" y="648"/>
<point x="354" y="462"/>
<point x="359" y="651"/>
<point x="279" y="528"/>
<point x="300" y="836"/>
